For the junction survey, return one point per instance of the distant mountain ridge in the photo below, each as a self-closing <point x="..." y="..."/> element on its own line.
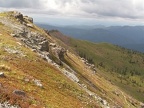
<point x="126" y="36"/>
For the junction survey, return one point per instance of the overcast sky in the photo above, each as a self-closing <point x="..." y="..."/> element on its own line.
<point x="99" y="12"/>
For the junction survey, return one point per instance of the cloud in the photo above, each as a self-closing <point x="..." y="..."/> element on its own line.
<point x="21" y="3"/>
<point x="125" y="9"/>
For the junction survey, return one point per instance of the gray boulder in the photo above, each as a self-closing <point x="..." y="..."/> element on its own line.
<point x="19" y="92"/>
<point x="2" y="75"/>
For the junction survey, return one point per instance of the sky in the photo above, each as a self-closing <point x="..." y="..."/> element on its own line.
<point x="80" y="12"/>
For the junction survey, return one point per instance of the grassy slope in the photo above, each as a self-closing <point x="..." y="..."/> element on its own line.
<point x="123" y="67"/>
<point x="58" y="91"/>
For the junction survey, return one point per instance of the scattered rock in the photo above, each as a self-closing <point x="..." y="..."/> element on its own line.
<point x="116" y="93"/>
<point x="2" y="75"/>
<point x="94" y="69"/>
<point x="88" y="65"/>
<point x="19" y="92"/>
<point x="52" y="44"/>
<point x="104" y="102"/>
<point x="13" y="35"/>
<point x="7" y="105"/>
<point x="19" y="43"/>
<point x="56" y="65"/>
<point x="26" y="80"/>
<point x="90" y="93"/>
<point x="14" y="51"/>
<point x="30" y="25"/>
<point x="38" y="83"/>
<point x="34" y="50"/>
<point x="71" y="76"/>
<point x="83" y="86"/>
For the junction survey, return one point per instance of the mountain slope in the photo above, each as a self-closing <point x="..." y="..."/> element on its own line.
<point x="126" y="36"/>
<point x="37" y="71"/>
<point x="25" y="71"/>
<point x="121" y="66"/>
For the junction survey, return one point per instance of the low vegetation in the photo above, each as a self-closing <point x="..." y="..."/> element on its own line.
<point x="36" y="71"/>
<point x="119" y="65"/>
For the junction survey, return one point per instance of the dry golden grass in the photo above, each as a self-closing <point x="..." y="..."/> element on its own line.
<point x="57" y="92"/>
<point x="101" y="86"/>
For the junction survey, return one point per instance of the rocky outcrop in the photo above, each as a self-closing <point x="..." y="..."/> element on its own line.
<point x="18" y="15"/>
<point x="28" y="19"/>
<point x="32" y="39"/>
<point x="58" y="52"/>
